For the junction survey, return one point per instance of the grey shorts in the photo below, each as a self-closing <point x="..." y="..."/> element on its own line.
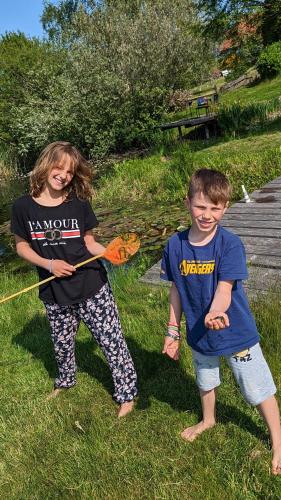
<point x="249" y="368"/>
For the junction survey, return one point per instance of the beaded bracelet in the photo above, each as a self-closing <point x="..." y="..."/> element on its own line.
<point x="174" y="337"/>
<point x="173" y="331"/>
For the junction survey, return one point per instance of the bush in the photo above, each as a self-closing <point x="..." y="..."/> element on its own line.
<point x="269" y="62"/>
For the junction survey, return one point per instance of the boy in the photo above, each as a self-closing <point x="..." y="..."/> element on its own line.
<point x="206" y="265"/>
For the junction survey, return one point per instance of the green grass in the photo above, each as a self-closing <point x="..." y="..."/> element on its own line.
<point x="208" y="87"/>
<point x="163" y="177"/>
<point x="74" y="447"/>
<point x="262" y="91"/>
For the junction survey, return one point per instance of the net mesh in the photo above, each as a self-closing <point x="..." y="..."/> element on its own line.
<point x="122" y="248"/>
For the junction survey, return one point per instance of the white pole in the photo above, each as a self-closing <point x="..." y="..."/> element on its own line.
<point x="246" y="196"/>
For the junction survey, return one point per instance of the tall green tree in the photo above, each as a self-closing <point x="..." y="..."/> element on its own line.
<point x="57" y="18"/>
<point x="118" y="68"/>
<point x="271" y="21"/>
<point x="222" y="15"/>
<point x="27" y="69"/>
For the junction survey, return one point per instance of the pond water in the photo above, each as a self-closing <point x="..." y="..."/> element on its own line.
<point x="153" y="223"/>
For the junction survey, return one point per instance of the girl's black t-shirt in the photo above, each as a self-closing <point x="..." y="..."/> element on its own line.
<point x="58" y="233"/>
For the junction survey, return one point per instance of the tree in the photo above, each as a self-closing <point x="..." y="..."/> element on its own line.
<point x="57" y="19"/>
<point x="223" y="15"/>
<point x="27" y="69"/>
<point x="271" y="21"/>
<point x="118" y="67"/>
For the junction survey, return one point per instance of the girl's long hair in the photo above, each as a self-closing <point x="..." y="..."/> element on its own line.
<point x="52" y="155"/>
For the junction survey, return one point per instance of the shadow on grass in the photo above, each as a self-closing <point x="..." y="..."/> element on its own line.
<point x="159" y="377"/>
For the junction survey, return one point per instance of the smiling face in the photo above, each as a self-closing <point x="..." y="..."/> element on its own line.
<point x="60" y="174"/>
<point x="205" y="214"/>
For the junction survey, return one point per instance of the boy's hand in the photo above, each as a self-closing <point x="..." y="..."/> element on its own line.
<point x="171" y="348"/>
<point x="216" y="320"/>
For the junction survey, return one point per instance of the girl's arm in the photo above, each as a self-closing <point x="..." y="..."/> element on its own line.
<point x="171" y="347"/>
<point x="217" y="318"/>
<point x="57" y="267"/>
<point x="92" y="245"/>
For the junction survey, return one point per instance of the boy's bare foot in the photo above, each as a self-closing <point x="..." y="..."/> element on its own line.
<point x="276" y="461"/>
<point x="191" y="433"/>
<point x="55" y="392"/>
<point x="125" y="408"/>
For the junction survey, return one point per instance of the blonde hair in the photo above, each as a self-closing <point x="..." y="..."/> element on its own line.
<point x="51" y="156"/>
<point x="211" y="183"/>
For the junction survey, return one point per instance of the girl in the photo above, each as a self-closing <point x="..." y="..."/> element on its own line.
<point x="53" y="230"/>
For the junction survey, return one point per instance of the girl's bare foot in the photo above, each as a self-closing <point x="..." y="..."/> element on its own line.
<point x="276" y="461"/>
<point x="125" y="408"/>
<point x="191" y="433"/>
<point x="55" y="392"/>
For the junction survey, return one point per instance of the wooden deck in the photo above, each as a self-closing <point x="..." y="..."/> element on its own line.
<point x="259" y="225"/>
<point x="207" y="119"/>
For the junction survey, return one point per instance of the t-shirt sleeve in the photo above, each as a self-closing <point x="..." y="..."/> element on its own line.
<point x="233" y="265"/>
<point x="90" y="219"/>
<point x="18" y="224"/>
<point x="165" y="272"/>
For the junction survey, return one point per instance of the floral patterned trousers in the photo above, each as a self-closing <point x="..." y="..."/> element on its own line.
<point x="100" y="315"/>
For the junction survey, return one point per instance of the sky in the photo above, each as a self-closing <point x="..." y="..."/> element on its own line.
<point x="21" y="15"/>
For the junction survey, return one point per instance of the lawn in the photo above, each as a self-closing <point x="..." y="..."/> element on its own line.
<point x="74" y="446"/>
<point x="262" y="91"/>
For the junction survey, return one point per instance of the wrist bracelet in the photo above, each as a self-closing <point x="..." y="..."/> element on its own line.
<point x="174" y="337"/>
<point x="50" y="266"/>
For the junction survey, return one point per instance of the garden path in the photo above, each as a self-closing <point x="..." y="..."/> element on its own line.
<point x="259" y="226"/>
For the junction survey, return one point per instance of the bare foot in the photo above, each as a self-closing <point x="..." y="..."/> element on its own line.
<point x="125" y="408"/>
<point x="276" y="461"/>
<point x="191" y="433"/>
<point x="55" y="392"/>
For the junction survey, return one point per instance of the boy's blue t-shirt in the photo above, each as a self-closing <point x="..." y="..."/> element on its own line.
<point x="196" y="271"/>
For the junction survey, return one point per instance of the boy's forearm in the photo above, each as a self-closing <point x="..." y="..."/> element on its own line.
<point x="175" y="306"/>
<point x="222" y="297"/>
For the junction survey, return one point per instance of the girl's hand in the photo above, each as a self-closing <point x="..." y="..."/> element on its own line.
<point x="171" y="348"/>
<point x="60" y="268"/>
<point x="216" y="320"/>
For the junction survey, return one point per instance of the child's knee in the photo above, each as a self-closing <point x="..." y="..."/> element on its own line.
<point x="207" y="371"/>
<point x="256" y="396"/>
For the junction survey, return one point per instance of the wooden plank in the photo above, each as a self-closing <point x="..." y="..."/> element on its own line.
<point x="261" y="242"/>
<point x="260" y="261"/>
<point x="229" y="216"/>
<point x="266" y="198"/>
<point x="189" y="122"/>
<point x="253" y="223"/>
<point x="272" y="197"/>
<point x="275" y="182"/>
<point x="267" y="251"/>
<point x="275" y="206"/>
<point x="247" y="231"/>
<point x="251" y="209"/>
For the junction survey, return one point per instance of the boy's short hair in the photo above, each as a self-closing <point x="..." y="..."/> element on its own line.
<point x="211" y="183"/>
